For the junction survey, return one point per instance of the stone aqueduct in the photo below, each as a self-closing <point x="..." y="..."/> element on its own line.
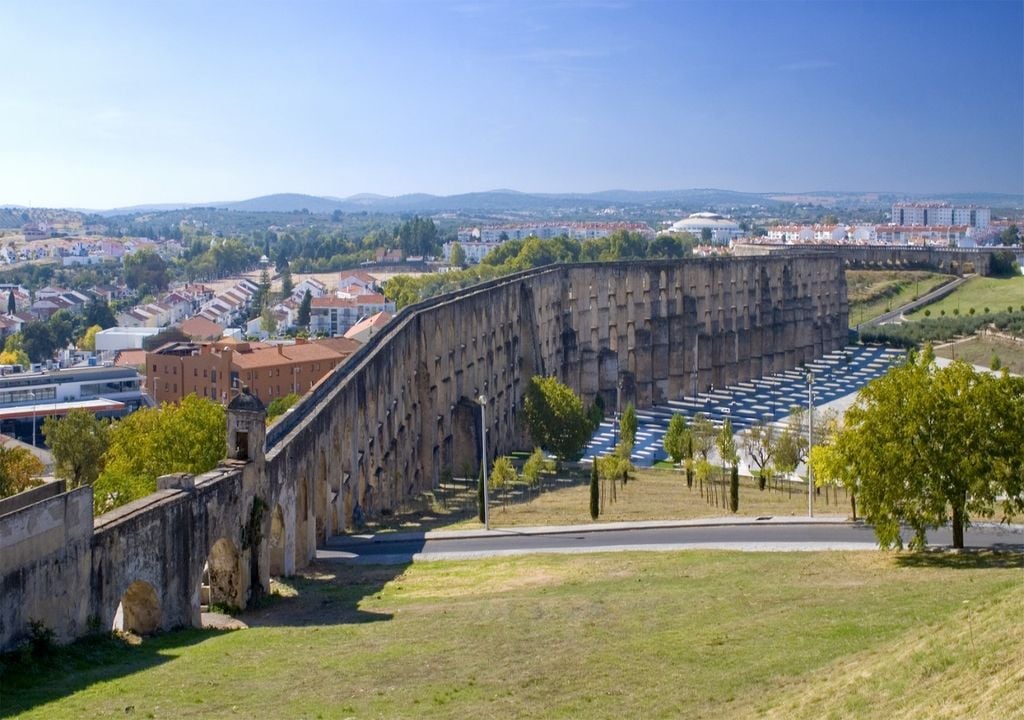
<point x="384" y="426"/>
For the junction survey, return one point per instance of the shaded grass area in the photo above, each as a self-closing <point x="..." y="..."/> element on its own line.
<point x="980" y="350"/>
<point x="689" y="634"/>
<point x="874" y="292"/>
<point x="997" y="294"/>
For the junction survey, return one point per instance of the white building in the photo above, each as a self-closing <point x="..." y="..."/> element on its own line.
<point x="910" y="214"/>
<point x="723" y="230"/>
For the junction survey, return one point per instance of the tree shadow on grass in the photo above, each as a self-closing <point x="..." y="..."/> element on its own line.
<point x="1009" y="556"/>
<point x="29" y="679"/>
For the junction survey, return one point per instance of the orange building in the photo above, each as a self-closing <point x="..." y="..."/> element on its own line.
<point x="218" y="370"/>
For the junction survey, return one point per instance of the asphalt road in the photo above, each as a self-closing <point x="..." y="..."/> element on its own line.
<point x="790" y="534"/>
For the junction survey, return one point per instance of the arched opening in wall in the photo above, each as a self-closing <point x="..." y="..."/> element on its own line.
<point x="301" y="523"/>
<point x="277" y="542"/>
<point x="221" y="584"/>
<point x="139" y="610"/>
<point x="466" y="447"/>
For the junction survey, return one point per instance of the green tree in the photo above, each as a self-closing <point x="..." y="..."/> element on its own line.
<point x="305" y="307"/>
<point x="595" y="492"/>
<point x="677" y="438"/>
<point x="534" y="467"/>
<point x="791" y="443"/>
<point x="145" y="272"/>
<point x="78" y="442"/>
<point x="503" y="474"/>
<point x="189" y="437"/>
<point x="926" y="445"/>
<point x="628" y="426"/>
<point x="287" y="284"/>
<point x="19" y="469"/>
<point x="268" y="321"/>
<point x="37" y="340"/>
<point x="457" y="256"/>
<point x="12" y="304"/>
<point x="725" y="441"/>
<point x="98" y="312"/>
<point x="556" y="418"/>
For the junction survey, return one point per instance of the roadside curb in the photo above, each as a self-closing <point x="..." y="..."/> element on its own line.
<point x="397" y="537"/>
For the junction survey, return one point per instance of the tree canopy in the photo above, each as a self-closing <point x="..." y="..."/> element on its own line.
<point x="19" y="469"/>
<point x="677" y="438"/>
<point x="78" y="442"/>
<point x="556" y="418"/>
<point x="189" y="437"/>
<point x="924" y="445"/>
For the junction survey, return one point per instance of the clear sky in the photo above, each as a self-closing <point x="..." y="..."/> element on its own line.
<point x="110" y="104"/>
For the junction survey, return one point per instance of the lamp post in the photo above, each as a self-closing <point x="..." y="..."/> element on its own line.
<point x="810" y="443"/>
<point x="33" y="396"/>
<point x="483" y="460"/>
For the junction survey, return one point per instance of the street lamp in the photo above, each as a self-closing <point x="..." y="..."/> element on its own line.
<point x="810" y="443"/>
<point x="483" y="460"/>
<point x="33" y="396"/>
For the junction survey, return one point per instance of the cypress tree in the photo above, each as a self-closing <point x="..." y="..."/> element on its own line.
<point x="734" y="489"/>
<point x="11" y="303"/>
<point x="595" y="492"/>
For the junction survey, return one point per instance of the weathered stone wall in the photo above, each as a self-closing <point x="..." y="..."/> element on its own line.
<point x="44" y="566"/>
<point x="386" y="425"/>
<point x="954" y="261"/>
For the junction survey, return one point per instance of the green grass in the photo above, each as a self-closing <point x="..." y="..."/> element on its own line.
<point x="685" y="634"/>
<point x="979" y="351"/>
<point x="874" y="292"/>
<point x="980" y="292"/>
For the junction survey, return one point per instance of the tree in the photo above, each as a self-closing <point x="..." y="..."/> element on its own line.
<point x="12" y="304"/>
<point x="304" y="310"/>
<point x="78" y="442"/>
<point x="37" y="341"/>
<point x="98" y="312"/>
<point x="189" y="437"/>
<point x="534" y="466"/>
<point x="791" y="443"/>
<point x="556" y="418"/>
<point x="502" y="475"/>
<point x="88" y="341"/>
<point x="595" y="492"/>
<point x="676" y="438"/>
<point x="145" y="272"/>
<point x="268" y="321"/>
<point x="628" y="425"/>
<point x="705" y="236"/>
<point x="167" y="335"/>
<point x="280" y="405"/>
<point x="287" y="284"/>
<point x="759" y="445"/>
<point x="726" y="443"/>
<point x="457" y="256"/>
<point x="926" y="445"/>
<point x="18" y="470"/>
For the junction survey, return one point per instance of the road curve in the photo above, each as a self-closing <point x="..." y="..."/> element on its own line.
<point x="765" y="534"/>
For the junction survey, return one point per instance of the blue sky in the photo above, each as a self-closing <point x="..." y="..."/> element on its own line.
<point x="112" y="104"/>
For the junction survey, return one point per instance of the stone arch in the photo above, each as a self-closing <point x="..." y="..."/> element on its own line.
<point x="139" y="609"/>
<point x="277" y="542"/>
<point x="222" y="582"/>
<point x="466" y="437"/>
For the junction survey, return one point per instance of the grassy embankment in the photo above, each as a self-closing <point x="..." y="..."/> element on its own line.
<point x="874" y="292"/>
<point x="652" y="635"/>
<point x="980" y="350"/>
<point x="996" y="294"/>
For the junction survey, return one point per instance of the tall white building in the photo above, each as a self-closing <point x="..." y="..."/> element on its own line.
<point x="910" y="214"/>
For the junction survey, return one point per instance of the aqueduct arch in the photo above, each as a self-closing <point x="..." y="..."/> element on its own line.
<point x="139" y="610"/>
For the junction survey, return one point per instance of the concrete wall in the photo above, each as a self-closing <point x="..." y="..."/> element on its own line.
<point x="383" y="427"/>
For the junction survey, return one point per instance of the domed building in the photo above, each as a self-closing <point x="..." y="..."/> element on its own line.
<point x="723" y="229"/>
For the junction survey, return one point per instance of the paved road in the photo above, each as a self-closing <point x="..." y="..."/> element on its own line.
<point x="931" y="297"/>
<point x="747" y="534"/>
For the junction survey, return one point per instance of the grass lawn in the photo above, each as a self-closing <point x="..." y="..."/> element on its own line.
<point x="639" y="635"/>
<point x="651" y="494"/>
<point x="979" y="350"/>
<point x="874" y="292"/>
<point x="979" y="292"/>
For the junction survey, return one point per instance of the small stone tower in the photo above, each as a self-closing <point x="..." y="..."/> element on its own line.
<point x="247" y="428"/>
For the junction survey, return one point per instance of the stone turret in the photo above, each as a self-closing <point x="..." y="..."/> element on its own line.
<point x="247" y="428"/>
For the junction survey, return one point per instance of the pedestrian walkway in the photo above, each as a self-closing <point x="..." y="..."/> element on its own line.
<point x="771" y="399"/>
